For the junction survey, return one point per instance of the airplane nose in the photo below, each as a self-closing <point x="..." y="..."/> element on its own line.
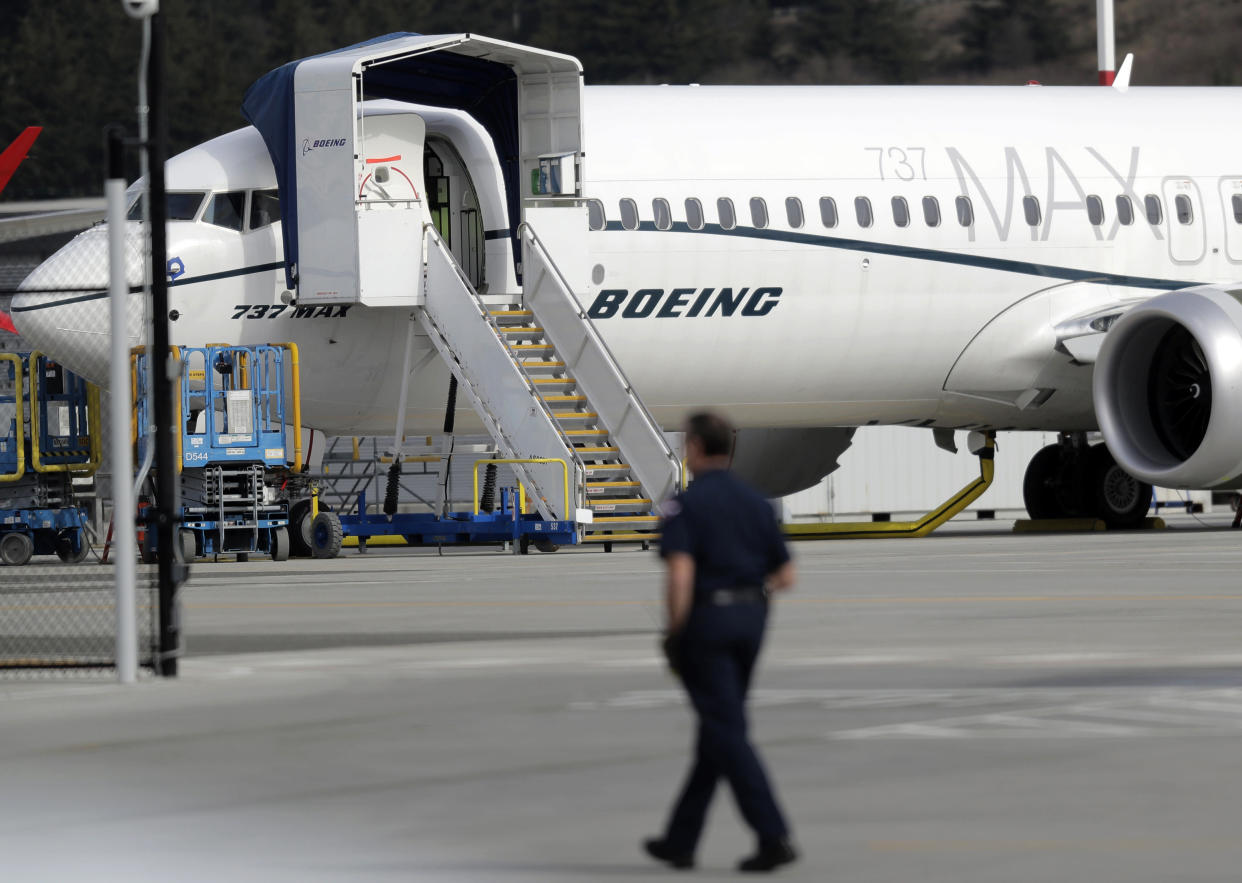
<point x="61" y="308"/>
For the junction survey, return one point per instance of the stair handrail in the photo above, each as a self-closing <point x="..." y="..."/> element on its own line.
<point x="431" y="234"/>
<point x="525" y="230"/>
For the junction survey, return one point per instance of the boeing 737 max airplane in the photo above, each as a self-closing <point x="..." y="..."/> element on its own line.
<point x="807" y="259"/>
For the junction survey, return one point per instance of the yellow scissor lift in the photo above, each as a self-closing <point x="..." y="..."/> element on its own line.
<point x="49" y="433"/>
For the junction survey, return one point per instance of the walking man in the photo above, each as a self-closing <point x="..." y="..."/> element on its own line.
<point x="724" y="553"/>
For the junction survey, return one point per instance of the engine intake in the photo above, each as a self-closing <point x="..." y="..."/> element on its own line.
<point x="1168" y="389"/>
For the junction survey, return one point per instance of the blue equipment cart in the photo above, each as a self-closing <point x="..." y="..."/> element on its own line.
<point x="234" y="463"/>
<point x="49" y="432"/>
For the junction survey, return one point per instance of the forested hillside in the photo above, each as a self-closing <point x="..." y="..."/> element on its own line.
<point x="70" y="65"/>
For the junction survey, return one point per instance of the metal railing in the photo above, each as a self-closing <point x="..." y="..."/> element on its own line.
<point x="597" y="372"/>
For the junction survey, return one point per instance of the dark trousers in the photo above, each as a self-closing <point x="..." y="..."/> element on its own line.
<point x="719" y="649"/>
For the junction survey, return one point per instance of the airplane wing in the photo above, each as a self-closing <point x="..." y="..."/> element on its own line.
<point x="16" y="152"/>
<point x="49" y="223"/>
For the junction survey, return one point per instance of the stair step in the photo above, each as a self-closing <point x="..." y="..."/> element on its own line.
<point x="550" y="365"/>
<point x="509" y="317"/>
<point x="520" y="331"/>
<point x="524" y="348"/>
<point x="564" y="383"/>
<point x="604" y="502"/>
<point x="564" y="400"/>
<point x="597" y="449"/>
<point x="599" y="487"/>
<point x="596" y="468"/>
<point x="624" y="537"/>
<point x="609" y="521"/>
<point x="582" y="434"/>
<point x="577" y="415"/>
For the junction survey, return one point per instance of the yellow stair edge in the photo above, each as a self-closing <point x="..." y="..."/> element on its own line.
<point x="630" y="537"/>
<point x="628" y="519"/>
<point x="510" y="313"/>
<point x="620" y="501"/>
<point x="612" y="484"/>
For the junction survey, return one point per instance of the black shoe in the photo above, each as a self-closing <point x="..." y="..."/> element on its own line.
<point x="660" y="850"/>
<point x="771" y="855"/>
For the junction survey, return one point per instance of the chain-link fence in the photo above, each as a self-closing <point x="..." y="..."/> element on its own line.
<point x="62" y="619"/>
<point x="57" y="603"/>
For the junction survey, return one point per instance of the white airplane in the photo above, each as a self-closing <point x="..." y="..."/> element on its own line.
<point x="807" y="259"/>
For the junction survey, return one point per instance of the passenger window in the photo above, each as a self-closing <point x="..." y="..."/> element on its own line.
<point x="828" y="211"/>
<point x="724" y="208"/>
<point x="264" y="208"/>
<point x="226" y="210"/>
<point x="862" y="210"/>
<point x="629" y="214"/>
<point x="931" y="211"/>
<point x="595" y="214"/>
<point x="758" y="212"/>
<point x="965" y="211"/>
<point x="1095" y="210"/>
<point x="1030" y="208"/>
<point x="1185" y="213"/>
<point x="1125" y="210"/>
<point x="694" y="214"/>
<point x="1237" y="208"/>
<point x="793" y="212"/>
<point x="1155" y="212"/>
<point x="901" y="212"/>
<point x="663" y="214"/>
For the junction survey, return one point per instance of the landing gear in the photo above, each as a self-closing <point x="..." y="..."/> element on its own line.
<point x="1073" y="480"/>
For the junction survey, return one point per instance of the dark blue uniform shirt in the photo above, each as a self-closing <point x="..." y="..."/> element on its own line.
<point x="729" y="529"/>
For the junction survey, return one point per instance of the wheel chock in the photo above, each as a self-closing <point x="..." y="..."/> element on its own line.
<point x="1072" y="525"/>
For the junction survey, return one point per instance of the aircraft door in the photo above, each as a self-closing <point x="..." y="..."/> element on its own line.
<point x="1231" y="199"/>
<point x="1184" y="222"/>
<point x="391" y="209"/>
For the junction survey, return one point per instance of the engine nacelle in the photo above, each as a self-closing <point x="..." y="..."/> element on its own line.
<point x="1168" y="389"/>
<point x="785" y="460"/>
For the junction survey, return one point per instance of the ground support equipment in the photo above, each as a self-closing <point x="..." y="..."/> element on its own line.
<point x="238" y="476"/>
<point x="509" y="523"/>
<point x="49" y="432"/>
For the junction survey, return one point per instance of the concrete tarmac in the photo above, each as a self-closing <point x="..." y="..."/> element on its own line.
<point x="975" y="707"/>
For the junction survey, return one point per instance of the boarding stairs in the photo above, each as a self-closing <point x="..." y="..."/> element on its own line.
<point x="547" y="388"/>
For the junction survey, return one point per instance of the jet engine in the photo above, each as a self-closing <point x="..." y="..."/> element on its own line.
<point x="782" y="461"/>
<point x="1168" y="389"/>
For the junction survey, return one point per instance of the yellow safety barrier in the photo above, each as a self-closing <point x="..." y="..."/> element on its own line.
<point x="94" y="429"/>
<point x="295" y="371"/>
<point x="565" y="513"/>
<point x="18" y="382"/>
<point x="921" y="528"/>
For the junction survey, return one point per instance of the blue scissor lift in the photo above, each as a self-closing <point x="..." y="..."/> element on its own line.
<point x="49" y="432"/>
<point x="234" y="459"/>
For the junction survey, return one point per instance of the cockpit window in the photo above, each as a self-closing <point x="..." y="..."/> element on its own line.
<point x="226" y="210"/>
<point x="181" y="206"/>
<point x="264" y="208"/>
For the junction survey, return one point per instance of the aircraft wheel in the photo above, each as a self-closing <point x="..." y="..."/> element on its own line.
<point x="326" y="535"/>
<point x="16" y="548"/>
<point x="64" y="546"/>
<point x="1049" y="488"/>
<point x="188" y="544"/>
<point x="280" y="544"/>
<point x="300" y="529"/>
<point x="1119" y="498"/>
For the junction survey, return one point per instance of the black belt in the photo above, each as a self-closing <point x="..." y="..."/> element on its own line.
<point x="728" y="597"/>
